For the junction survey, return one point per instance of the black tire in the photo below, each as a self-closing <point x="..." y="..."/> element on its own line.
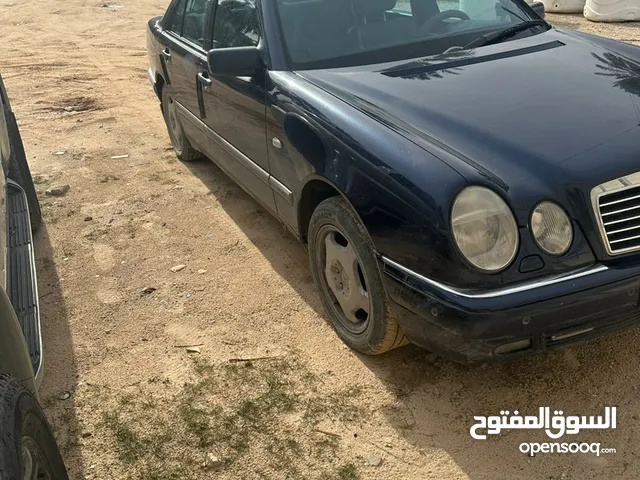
<point x="18" y="171"/>
<point x="179" y="140"/>
<point x="379" y="332"/>
<point x="25" y="436"/>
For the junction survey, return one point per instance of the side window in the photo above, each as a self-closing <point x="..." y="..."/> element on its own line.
<point x="175" y="21"/>
<point x="236" y="24"/>
<point x="403" y="7"/>
<point x="195" y="17"/>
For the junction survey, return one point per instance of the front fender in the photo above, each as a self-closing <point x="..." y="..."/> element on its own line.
<point x="401" y="192"/>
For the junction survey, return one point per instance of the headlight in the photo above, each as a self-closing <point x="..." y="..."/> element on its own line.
<point x="484" y="229"/>
<point x="551" y="228"/>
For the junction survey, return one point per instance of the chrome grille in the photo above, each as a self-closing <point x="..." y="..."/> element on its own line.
<point x="616" y="206"/>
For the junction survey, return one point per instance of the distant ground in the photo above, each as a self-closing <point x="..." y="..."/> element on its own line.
<point x="227" y="368"/>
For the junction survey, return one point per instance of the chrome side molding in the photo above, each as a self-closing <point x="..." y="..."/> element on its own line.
<point x="503" y="291"/>
<point x="264" y="176"/>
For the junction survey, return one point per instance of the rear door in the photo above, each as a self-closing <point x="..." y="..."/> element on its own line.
<point x="234" y="107"/>
<point x="184" y="40"/>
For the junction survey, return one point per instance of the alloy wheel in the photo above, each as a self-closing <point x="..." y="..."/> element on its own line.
<point x="344" y="279"/>
<point x="33" y="467"/>
<point x="175" y="129"/>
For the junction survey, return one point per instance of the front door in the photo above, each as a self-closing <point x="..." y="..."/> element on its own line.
<point x="184" y="50"/>
<point x="234" y="107"/>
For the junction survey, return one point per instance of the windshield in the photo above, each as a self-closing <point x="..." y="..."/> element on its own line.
<point x="340" y="33"/>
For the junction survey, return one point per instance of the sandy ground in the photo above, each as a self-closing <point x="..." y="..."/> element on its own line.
<point x="141" y="406"/>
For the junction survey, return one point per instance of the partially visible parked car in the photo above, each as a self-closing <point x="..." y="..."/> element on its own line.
<point x="28" y="449"/>
<point x="464" y="175"/>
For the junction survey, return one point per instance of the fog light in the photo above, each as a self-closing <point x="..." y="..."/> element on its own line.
<point x="513" y="347"/>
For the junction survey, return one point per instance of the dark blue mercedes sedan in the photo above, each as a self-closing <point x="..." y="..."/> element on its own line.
<point x="465" y="176"/>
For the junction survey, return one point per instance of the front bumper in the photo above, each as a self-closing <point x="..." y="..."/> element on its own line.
<point x="480" y="327"/>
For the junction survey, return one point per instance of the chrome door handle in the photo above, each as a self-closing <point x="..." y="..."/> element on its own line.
<point x="166" y="54"/>
<point x="205" y="81"/>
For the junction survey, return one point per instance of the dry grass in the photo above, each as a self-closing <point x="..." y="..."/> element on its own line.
<point x="257" y="418"/>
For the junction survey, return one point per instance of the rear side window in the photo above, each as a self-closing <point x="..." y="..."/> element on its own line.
<point x="236" y="24"/>
<point x="175" y="20"/>
<point x="195" y="17"/>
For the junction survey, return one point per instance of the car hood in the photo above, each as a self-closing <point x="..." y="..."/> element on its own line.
<point x="532" y="111"/>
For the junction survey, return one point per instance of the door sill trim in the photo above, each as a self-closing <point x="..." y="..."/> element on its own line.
<point x="264" y="176"/>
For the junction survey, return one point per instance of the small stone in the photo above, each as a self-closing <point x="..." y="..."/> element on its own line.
<point x="64" y="395"/>
<point x="108" y="178"/>
<point x="193" y="349"/>
<point x="118" y="157"/>
<point x="212" y="461"/>
<point x="178" y="268"/>
<point x="87" y="434"/>
<point x="61" y="152"/>
<point x="107" y="331"/>
<point x="202" y="271"/>
<point x="148" y="290"/>
<point x="57" y="190"/>
<point x="39" y="179"/>
<point x="373" y="460"/>
<point x="88" y="218"/>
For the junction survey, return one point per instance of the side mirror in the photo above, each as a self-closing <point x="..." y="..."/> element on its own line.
<point x="538" y="7"/>
<point x="236" y="62"/>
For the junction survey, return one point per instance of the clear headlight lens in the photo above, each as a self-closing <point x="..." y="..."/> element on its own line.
<point x="551" y="228"/>
<point x="484" y="229"/>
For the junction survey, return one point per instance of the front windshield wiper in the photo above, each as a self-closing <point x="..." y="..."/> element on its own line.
<point x="500" y="35"/>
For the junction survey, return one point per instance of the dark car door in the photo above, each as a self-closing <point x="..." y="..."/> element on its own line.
<point x="184" y="40"/>
<point x="234" y="107"/>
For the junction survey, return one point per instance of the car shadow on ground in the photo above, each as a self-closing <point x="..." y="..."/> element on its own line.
<point x="60" y="370"/>
<point x="435" y="400"/>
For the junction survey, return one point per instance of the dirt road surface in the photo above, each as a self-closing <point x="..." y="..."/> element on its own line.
<point x="141" y="406"/>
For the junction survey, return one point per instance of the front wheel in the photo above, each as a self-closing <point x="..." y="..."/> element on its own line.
<point x="348" y="278"/>
<point x="28" y="449"/>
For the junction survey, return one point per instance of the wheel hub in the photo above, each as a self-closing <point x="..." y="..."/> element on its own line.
<point x="339" y="278"/>
<point x="345" y="279"/>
